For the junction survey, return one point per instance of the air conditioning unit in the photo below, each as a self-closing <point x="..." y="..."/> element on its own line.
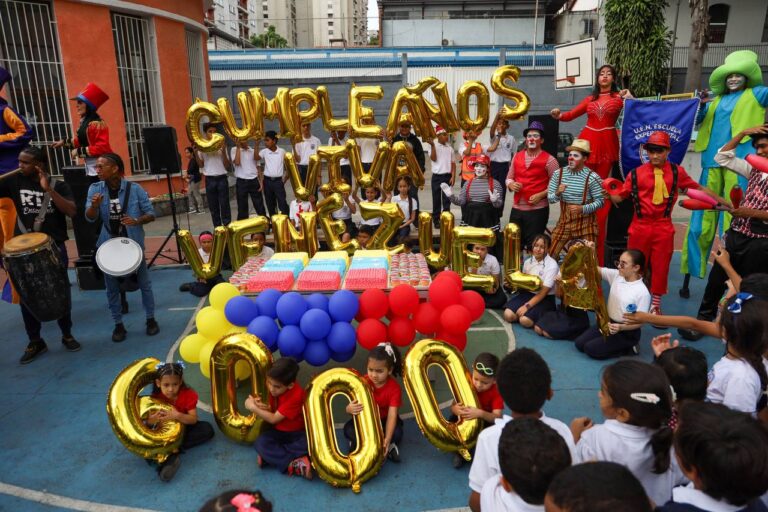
<point x="447" y="42"/>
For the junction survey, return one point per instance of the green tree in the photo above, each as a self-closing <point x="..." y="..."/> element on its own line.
<point x="639" y="44"/>
<point x="698" y="43"/>
<point x="269" y="39"/>
<point x="373" y="41"/>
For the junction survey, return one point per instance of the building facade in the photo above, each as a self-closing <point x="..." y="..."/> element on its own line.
<point x="231" y="23"/>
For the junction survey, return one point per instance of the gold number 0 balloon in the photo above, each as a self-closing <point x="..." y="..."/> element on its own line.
<point x="445" y="435"/>
<point x="227" y="352"/>
<point x="125" y="412"/>
<point x="480" y="91"/>
<point x="333" y="467"/>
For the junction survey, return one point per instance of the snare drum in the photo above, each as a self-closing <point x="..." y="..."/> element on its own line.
<point x="34" y="266"/>
<point x="119" y="256"/>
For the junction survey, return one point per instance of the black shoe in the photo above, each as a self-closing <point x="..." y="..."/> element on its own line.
<point x="393" y="453"/>
<point x="169" y="468"/>
<point x="634" y="351"/>
<point x="185" y="287"/>
<point x="34" y="349"/>
<point x="458" y="461"/>
<point x="70" y="343"/>
<point x="685" y="293"/>
<point x="690" y="334"/>
<point x="119" y="333"/>
<point x="152" y="327"/>
<point x="124" y="308"/>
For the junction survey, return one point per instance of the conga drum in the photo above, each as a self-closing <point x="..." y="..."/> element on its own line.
<point x="34" y="267"/>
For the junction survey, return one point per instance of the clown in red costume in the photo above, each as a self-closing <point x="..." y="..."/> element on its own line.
<point x="603" y="108"/>
<point x="92" y="137"/>
<point x="654" y="188"/>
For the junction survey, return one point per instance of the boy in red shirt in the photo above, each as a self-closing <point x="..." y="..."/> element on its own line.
<point x="654" y="189"/>
<point x="285" y="445"/>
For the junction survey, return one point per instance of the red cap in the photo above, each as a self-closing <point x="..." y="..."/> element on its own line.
<point x="660" y="139"/>
<point x="439" y="129"/>
<point x="481" y="159"/>
<point x="92" y="95"/>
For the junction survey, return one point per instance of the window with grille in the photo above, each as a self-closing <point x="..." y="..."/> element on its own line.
<point x="195" y="62"/>
<point x="718" y="22"/>
<point x="139" y="82"/>
<point x="29" y="50"/>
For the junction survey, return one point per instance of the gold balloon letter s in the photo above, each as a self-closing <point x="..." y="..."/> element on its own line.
<point x="498" y="84"/>
<point x="366" y="460"/>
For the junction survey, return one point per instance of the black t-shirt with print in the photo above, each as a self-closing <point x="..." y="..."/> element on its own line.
<point x="115" y="212"/>
<point x="27" y="196"/>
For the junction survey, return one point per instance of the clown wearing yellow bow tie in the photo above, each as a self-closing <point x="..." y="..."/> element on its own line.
<point x="654" y="188"/>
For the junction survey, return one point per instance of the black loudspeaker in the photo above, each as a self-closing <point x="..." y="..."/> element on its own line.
<point x="86" y="232"/>
<point x="160" y="146"/>
<point x="551" y="131"/>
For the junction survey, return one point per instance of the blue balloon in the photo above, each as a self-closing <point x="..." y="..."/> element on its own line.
<point x="343" y="306"/>
<point x="315" y="324"/>
<point x="291" y="342"/>
<point x="342" y="337"/>
<point x="240" y="310"/>
<point x="290" y="308"/>
<point x="267" y="302"/>
<point x="342" y="357"/>
<point x="317" y="301"/>
<point x="317" y="353"/>
<point x="266" y="329"/>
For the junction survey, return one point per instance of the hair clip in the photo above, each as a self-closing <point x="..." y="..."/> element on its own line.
<point x="647" y="398"/>
<point x="741" y="297"/>
<point x="388" y="349"/>
<point x="244" y="502"/>
<point x="480" y="367"/>
<point x="179" y="364"/>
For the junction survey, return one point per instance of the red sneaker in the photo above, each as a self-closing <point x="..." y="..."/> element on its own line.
<point x="301" y="467"/>
<point x="259" y="461"/>
<point x="656" y="310"/>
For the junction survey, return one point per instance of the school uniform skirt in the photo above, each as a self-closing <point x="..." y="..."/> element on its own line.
<point x="536" y="312"/>
<point x="565" y="323"/>
<point x="592" y="343"/>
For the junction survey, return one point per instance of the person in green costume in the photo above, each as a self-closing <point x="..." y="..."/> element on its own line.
<point x="739" y="103"/>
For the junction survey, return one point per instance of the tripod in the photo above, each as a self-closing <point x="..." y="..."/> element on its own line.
<point x="174" y="229"/>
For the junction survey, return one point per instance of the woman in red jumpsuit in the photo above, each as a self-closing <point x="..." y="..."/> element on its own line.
<point x="602" y="107"/>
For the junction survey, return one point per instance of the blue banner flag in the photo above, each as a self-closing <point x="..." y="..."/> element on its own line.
<point x="641" y="118"/>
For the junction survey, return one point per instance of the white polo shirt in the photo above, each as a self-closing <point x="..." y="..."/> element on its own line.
<point x="504" y="151"/>
<point x="445" y="157"/>
<point x="213" y="164"/>
<point x="546" y="269"/>
<point x="273" y="162"/>
<point x="735" y="384"/>
<point x="343" y="161"/>
<point x="306" y="148"/>
<point x="494" y="497"/>
<point x="623" y="293"/>
<point x="368" y="148"/>
<point x="247" y="169"/>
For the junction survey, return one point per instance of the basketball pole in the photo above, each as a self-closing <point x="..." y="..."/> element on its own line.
<point x="174" y="230"/>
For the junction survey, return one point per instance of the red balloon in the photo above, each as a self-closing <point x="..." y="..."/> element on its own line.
<point x="373" y="303"/>
<point x="401" y="331"/>
<point x="444" y="293"/>
<point x="457" y="340"/>
<point x="403" y="300"/>
<point x="474" y="303"/>
<point x="455" y="319"/>
<point x="427" y="319"/>
<point x="452" y="276"/>
<point x="371" y="332"/>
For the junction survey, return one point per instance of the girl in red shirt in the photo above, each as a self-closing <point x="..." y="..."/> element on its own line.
<point x="384" y="364"/>
<point x="169" y="388"/>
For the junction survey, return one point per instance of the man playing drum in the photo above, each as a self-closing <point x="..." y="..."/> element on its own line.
<point x="124" y="208"/>
<point x="41" y="206"/>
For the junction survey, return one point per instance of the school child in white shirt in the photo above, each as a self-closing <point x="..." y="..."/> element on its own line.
<point x="596" y="487"/>
<point x="525" y="384"/>
<point x="372" y="195"/>
<point x="408" y="205"/>
<point x="531" y="454"/>
<point x="298" y="207"/>
<point x="272" y="175"/>
<point x="724" y="453"/>
<point x="636" y="400"/>
<point x="628" y="293"/>
<point x="489" y="266"/>
<point x="527" y="307"/>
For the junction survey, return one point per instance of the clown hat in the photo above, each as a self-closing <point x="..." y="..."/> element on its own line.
<point x="439" y="129"/>
<point x="743" y="62"/>
<point x="535" y="126"/>
<point x="658" y="139"/>
<point x="5" y="77"/>
<point x="92" y="96"/>
<point x="480" y="160"/>
<point x="580" y="145"/>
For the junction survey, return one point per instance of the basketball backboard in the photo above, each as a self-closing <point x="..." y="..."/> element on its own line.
<point x="575" y="64"/>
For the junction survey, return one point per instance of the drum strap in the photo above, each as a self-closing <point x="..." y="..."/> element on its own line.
<point x="37" y="225"/>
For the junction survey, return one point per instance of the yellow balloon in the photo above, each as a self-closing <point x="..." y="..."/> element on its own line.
<point x="411" y="169"/>
<point x="211" y="322"/>
<point x="462" y="236"/>
<point x="227" y="353"/>
<point x="242" y="369"/>
<point x="498" y="84"/>
<point x="308" y="96"/>
<point x="417" y="114"/>
<point x="480" y="91"/>
<point x="125" y="415"/>
<point x="289" y="239"/>
<point x="332" y="155"/>
<point x="365" y="461"/>
<point x="189" y="248"/>
<point x="247" y="108"/>
<point x="448" y="436"/>
<point x="241" y="249"/>
<point x="189" y="348"/>
<point x="357" y="94"/>
<point x="441" y="259"/>
<point x="391" y="218"/>
<point x="513" y="257"/>
<point x="581" y="284"/>
<point x="205" y="359"/>
<point x="195" y="115"/>
<point x="221" y="293"/>
<point x="279" y="108"/>
<point x="301" y="189"/>
<point x="332" y="229"/>
<point x="443" y="113"/>
<point x="326" y="112"/>
<point x="378" y="166"/>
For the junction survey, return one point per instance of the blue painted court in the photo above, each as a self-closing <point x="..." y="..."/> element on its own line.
<point x="59" y="452"/>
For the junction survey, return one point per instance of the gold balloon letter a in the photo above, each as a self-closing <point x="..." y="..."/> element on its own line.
<point x="581" y="284"/>
<point x="333" y="467"/>
<point x="445" y="435"/>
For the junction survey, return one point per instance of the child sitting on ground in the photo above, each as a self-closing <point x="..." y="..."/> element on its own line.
<point x="484" y="370"/>
<point x="489" y="266"/>
<point x="261" y="239"/>
<point x="202" y="287"/>
<point x="525" y="384"/>
<point x="527" y="307"/>
<point x="285" y="445"/>
<point x="531" y="454"/>
<point x="364" y="234"/>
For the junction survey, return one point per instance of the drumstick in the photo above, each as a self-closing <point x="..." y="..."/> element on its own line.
<point x="10" y="173"/>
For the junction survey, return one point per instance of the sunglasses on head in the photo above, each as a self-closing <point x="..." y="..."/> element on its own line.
<point x="480" y="367"/>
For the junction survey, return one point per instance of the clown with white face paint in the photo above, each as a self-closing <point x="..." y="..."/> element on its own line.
<point x="739" y="102"/>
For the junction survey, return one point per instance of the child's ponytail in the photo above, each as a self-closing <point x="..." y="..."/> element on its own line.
<point x="661" y="443"/>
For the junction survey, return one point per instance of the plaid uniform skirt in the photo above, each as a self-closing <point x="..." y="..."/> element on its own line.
<point x="572" y="226"/>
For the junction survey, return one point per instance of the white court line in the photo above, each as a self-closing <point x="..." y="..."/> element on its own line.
<point x="56" y="500"/>
<point x="183" y="309"/>
<point x="474" y="329"/>
<point x="507" y="327"/>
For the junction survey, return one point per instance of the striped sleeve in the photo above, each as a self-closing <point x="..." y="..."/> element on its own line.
<point x="552" y="188"/>
<point x="595" y="193"/>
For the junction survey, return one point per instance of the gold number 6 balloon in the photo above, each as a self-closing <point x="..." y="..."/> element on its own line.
<point x="445" y="435"/>
<point x="125" y="411"/>
<point x="227" y="352"/>
<point x="365" y="461"/>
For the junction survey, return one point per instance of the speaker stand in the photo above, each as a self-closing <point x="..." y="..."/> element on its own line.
<point x="174" y="230"/>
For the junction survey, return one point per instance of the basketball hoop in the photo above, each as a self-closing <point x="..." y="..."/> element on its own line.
<point x="570" y="79"/>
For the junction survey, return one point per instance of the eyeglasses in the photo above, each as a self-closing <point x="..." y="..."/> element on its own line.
<point x="480" y="367"/>
<point x="620" y="264"/>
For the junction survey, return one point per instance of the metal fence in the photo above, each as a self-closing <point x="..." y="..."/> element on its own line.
<point x="139" y="82"/>
<point x="29" y="49"/>
<point x="714" y="56"/>
<point x="197" y="71"/>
